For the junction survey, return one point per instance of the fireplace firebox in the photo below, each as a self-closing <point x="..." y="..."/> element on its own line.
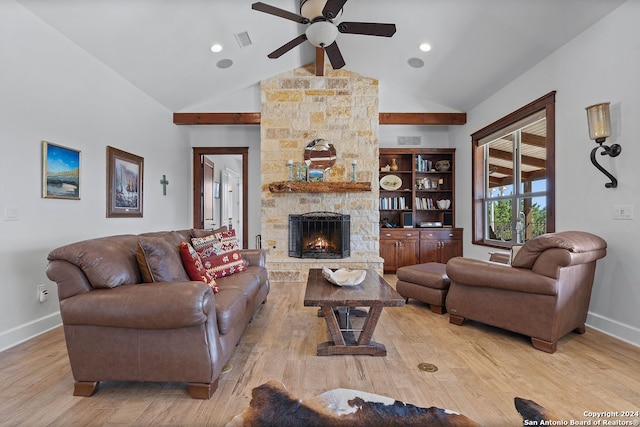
<point x="319" y="235"/>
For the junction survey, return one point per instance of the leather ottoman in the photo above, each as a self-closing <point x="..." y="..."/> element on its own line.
<point x="427" y="283"/>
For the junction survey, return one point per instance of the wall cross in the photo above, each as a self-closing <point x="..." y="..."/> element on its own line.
<point x="164" y="183"/>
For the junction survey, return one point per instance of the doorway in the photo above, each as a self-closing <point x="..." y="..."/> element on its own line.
<point x="203" y="188"/>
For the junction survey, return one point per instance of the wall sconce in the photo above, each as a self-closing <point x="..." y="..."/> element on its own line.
<point x="599" y="130"/>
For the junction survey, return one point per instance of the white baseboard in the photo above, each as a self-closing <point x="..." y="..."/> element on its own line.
<point x="621" y="331"/>
<point x="22" y="333"/>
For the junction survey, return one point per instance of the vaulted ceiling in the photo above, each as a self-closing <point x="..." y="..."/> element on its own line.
<point x="163" y="46"/>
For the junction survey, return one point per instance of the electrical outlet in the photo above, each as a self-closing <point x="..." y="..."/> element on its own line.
<point x="623" y="212"/>
<point x="43" y="293"/>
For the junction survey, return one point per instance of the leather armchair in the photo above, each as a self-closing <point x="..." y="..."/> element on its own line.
<point x="543" y="294"/>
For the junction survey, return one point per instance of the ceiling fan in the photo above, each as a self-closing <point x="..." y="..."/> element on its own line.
<point x="321" y="31"/>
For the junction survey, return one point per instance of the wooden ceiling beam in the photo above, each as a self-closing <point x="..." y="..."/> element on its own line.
<point x="527" y="160"/>
<point x="216" y="118"/>
<point x="441" y="119"/>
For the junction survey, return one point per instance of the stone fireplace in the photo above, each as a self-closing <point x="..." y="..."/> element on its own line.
<point x="342" y="108"/>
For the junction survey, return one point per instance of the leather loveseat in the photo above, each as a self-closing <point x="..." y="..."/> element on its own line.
<point x="543" y="294"/>
<point x="119" y="328"/>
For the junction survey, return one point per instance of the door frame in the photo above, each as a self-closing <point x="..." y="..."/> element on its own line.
<point x="198" y="152"/>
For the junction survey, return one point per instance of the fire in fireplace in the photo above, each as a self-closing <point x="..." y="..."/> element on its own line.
<point x="319" y="235"/>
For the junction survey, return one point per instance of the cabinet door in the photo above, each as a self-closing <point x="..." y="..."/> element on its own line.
<point x="450" y="249"/>
<point x="428" y="251"/>
<point x="430" y="245"/>
<point x="408" y="250"/>
<point x="388" y="251"/>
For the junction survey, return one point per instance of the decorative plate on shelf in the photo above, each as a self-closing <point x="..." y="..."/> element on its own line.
<point x="390" y="182"/>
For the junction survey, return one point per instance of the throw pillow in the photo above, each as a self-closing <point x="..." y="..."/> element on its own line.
<point x="199" y="232"/>
<point x="193" y="265"/>
<point x="220" y="253"/>
<point x="159" y="258"/>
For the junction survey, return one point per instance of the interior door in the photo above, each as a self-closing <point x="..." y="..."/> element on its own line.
<point x="198" y="190"/>
<point x="231" y="198"/>
<point x="208" y="206"/>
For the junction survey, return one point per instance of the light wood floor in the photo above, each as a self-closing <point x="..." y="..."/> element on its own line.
<point x="481" y="370"/>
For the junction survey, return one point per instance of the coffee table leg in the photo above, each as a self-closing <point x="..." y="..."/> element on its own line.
<point x="370" y="325"/>
<point x="332" y="324"/>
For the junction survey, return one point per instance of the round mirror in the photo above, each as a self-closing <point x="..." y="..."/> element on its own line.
<point x="320" y="154"/>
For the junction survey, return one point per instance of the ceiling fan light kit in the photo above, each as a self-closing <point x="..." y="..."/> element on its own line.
<point x="321" y="31"/>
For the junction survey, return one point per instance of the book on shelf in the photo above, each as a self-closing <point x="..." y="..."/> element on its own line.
<point x="424" y="203"/>
<point x="423" y="165"/>
<point x="395" y="203"/>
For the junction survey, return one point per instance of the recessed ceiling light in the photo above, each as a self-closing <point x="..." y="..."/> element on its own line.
<point x="425" y="47"/>
<point x="216" y="47"/>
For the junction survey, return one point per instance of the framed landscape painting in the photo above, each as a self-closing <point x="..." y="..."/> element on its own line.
<point x="124" y="184"/>
<point x="60" y="172"/>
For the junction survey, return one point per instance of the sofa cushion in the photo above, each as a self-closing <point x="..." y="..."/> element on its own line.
<point x="220" y="253"/>
<point x="193" y="264"/>
<point x="159" y="258"/>
<point x="231" y="308"/>
<point x="166" y="305"/>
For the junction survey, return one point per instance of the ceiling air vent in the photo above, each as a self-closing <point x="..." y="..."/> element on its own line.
<point x="243" y="39"/>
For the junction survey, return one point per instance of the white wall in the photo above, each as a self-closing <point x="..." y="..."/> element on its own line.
<point x="52" y="90"/>
<point x="602" y="64"/>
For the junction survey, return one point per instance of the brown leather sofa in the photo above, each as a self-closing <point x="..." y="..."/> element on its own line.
<point x="118" y="328"/>
<point x="543" y="294"/>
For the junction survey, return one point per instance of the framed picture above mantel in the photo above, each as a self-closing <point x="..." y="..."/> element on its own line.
<point x="124" y="184"/>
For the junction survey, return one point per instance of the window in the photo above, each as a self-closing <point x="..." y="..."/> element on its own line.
<point x="514" y="176"/>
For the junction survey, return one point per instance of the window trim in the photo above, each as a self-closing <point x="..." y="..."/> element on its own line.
<point x="546" y="103"/>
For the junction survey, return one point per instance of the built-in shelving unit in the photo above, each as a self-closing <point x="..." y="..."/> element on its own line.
<point x="427" y="190"/>
<point x="417" y="223"/>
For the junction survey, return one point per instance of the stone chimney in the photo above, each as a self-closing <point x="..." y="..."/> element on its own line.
<point x="298" y="107"/>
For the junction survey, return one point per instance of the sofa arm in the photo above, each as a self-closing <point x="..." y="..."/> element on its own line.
<point x="162" y="305"/>
<point x="257" y="257"/>
<point x="472" y="272"/>
<point x="70" y="278"/>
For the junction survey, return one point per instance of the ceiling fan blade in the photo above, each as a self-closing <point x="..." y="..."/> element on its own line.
<point x="287" y="46"/>
<point x="272" y="10"/>
<point x="335" y="57"/>
<point x="332" y="8"/>
<point x="367" y="28"/>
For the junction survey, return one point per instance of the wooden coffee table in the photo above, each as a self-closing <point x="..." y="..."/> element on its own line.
<point x="374" y="293"/>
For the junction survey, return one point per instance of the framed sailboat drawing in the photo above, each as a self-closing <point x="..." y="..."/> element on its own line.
<point x="124" y="184"/>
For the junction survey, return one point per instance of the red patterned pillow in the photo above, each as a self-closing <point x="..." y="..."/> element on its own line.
<point x="193" y="265"/>
<point x="220" y="253"/>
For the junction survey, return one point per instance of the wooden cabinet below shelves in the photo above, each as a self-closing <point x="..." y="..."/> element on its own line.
<point x="410" y="246"/>
<point x="399" y="247"/>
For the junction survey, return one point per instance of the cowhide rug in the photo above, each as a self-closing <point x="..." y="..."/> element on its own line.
<point x="273" y="405"/>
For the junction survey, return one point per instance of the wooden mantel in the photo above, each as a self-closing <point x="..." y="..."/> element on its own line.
<point x="442" y="119"/>
<point x="318" y="187"/>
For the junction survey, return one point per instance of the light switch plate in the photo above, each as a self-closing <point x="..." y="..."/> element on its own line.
<point x="11" y="213"/>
